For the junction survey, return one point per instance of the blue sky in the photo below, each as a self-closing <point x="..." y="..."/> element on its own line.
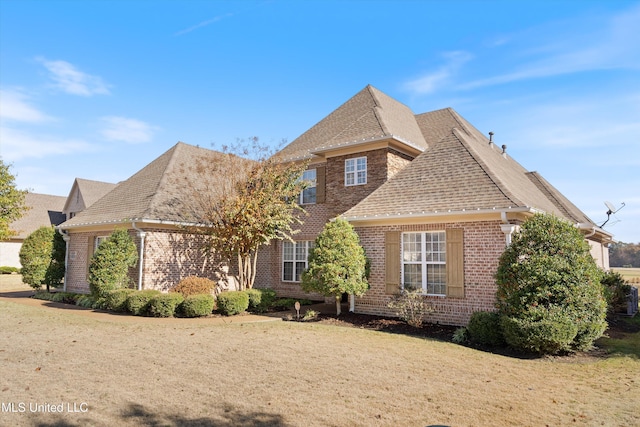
<point x="98" y="89"/>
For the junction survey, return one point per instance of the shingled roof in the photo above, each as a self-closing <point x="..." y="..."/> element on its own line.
<point x="45" y="210"/>
<point x="370" y="114"/>
<point x="156" y="193"/>
<point x="90" y="191"/>
<point x="463" y="172"/>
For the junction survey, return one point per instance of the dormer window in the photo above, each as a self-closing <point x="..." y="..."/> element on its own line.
<point x="355" y="171"/>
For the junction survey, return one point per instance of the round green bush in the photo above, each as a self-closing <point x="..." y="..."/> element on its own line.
<point x="484" y="328"/>
<point x="164" y="305"/>
<point x="233" y="302"/>
<point x="42" y="258"/>
<point x="549" y="288"/>
<point x="138" y="302"/>
<point x="117" y="299"/>
<point x="197" y="305"/>
<point x="260" y="300"/>
<point x="550" y="335"/>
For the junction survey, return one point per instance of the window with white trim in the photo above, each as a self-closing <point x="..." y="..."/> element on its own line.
<point x="424" y="262"/>
<point x="355" y="171"/>
<point x="295" y="259"/>
<point x="308" y="195"/>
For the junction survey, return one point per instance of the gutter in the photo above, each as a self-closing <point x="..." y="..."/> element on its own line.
<point x="142" y="235"/>
<point x="436" y="213"/>
<point x="66" y="238"/>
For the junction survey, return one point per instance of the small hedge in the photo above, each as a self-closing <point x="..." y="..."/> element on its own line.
<point x="261" y="300"/>
<point x="233" y="302"/>
<point x="116" y="299"/>
<point x="484" y="328"/>
<point x="193" y="285"/>
<point x="64" y="297"/>
<point x="138" y="302"/>
<point x="8" y="270"/>
<point x="197" y="305"/>
<point x="289" y="303"/>
<point x="164" y="305"/>
<point x="549" y="335"/>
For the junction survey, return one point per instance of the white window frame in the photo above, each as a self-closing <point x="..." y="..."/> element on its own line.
<point x="299" y="258"/>
<point x="308" y="195"/>
<point x="355" y="171"/>
<point x="426" y="258"/>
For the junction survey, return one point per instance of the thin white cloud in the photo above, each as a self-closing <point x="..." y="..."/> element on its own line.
<point x="611" y="46"/>
<point x="17" y="145"/>
<point x="14" y="106"/>
<point x="203" y="24"/>
<point x="432" y="81"/>
<point x="69" y="79"/>
<point x="127" y="130"/>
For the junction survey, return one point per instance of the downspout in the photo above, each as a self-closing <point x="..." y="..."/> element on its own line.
<point x="507" y="228"/>
<point x="66" y="238"/>
<point x="141" y="235"/>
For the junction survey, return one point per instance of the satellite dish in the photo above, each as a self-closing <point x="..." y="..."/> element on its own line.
<point x="611" y="210"/>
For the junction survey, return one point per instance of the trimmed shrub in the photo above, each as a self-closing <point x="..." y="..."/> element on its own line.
<point x="616" y="292"/>
<point x="109" y="268"/>
<point x="164" y="305"/>
<point x="552" y="334"/>
<point x="42" y="258"/>
<point x="117" y="299"/>
<point x="8" y="270"/>
<point x="138" y="302"/>
<point x="260" y="300"/>
<point x="197" y="305"/>
<point x="85" y="301"/>
<point x="549" y="288"/>
<point x="412" y="307"/>
<point x="232" y="302"/>
<point x="64" y="297"/>
<point x="194" y="285"/>
<point x="484" y="328"/>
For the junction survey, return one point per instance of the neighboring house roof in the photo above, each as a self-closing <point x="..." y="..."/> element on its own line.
<point x="157" y="193"/>
<point x="464" y="172"/>
<point x="370" y="114"/>
<point x="89" y="192"/>
<point x="45" y="210"/>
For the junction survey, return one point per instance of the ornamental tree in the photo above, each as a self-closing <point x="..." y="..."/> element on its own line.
<point x="42" y="258"/>
<point x="12" y="205"/>
<point x="110" y="264"/>
<point x="549" y="293"/>
<point x="242" y="203"/>
<point x="337" y="263"/>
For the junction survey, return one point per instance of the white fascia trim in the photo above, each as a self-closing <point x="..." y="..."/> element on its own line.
<point x="133" y="220"/>
<point x="423" y="214"/>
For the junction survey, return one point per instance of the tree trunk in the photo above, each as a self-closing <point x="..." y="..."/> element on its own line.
<point x="338" y="307"/>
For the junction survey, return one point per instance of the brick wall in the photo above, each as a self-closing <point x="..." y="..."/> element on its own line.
<point x="483" y="244"/>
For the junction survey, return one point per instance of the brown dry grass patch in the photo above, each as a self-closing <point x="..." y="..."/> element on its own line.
<point x="289" y="374"/>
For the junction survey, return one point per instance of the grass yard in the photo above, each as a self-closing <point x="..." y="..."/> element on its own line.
<point x="629" y="274"/>
<point x="179" y="372"/>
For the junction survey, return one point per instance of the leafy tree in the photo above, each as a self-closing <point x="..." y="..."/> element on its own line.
<point x="42" y="258"/>
<point x="109" y="268"/>
<point x="337" y="263"/>
<point x="549" y="291"/>
<point x="624" y="254"/>
<point x="241" y="204"/>
<point x="12" y="205"/>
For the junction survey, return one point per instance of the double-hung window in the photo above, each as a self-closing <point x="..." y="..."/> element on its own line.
<point x="294" y="259"/>
<point x="355" y="171"/>
<point x="308" y="195"/>
<point x="424" y="262"/>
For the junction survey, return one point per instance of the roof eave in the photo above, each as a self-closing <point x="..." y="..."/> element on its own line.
<point x="438" y="214"/>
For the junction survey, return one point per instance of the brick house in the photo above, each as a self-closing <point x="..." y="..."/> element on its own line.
<point x="433" y="201"/>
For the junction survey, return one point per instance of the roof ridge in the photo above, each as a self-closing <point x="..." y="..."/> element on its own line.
<point x="164" y="176"/>
<point x="568" y="208"/>
<point x="503" y="187"/>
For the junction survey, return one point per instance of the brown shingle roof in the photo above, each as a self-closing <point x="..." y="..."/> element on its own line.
<point x="154" y="193"/>
<point x="45" y="210"/>
<point x="464" y="172"/>
<point x="370" y="114"/>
